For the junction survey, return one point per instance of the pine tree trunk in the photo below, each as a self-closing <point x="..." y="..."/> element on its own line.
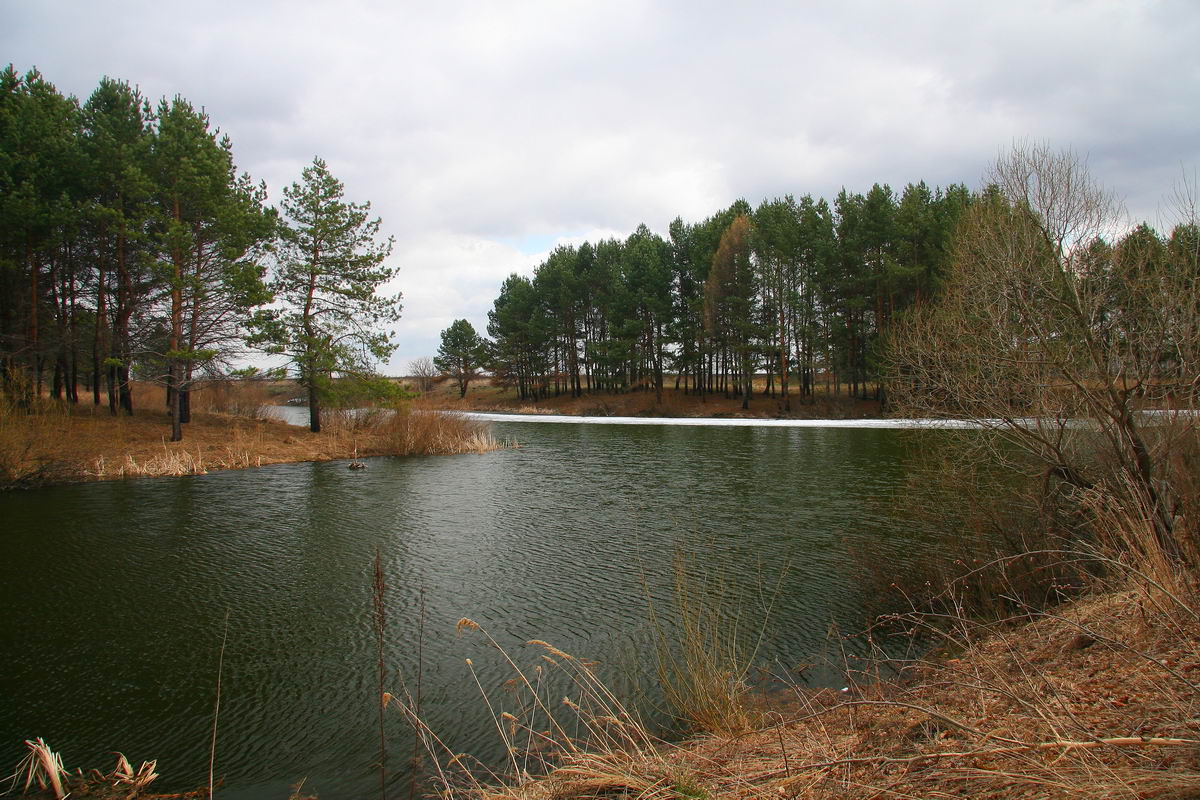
<point x="98" y="328"/>
<point x="176" y="366"/>
<point x="121" y="346"/>
<point x="314" y="407"/>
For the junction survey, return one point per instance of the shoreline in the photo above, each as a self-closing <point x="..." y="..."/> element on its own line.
<point x="1089" y="698"/>
<point x="486" y="397"/>
<point x="86" y="444"/>
<point x="717" y="422"/>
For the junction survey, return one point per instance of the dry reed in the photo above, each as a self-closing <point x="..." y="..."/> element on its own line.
<point x="33" y="444"/>
<point x="236" y="398"/>
<point x="43" y="767"/>
<point x="53" y="442"/>
<point x="535" y="734"/>
<point x="239" y="398"/>
<point x="212" y="749"/>
<point x="704" y="653"/>
<point x="171" y="461"/>
<point x="1095" y="697"/>
<point x="1094" y="700"/>
<point x="379" y="626"/>
<point x="421" y="432"/>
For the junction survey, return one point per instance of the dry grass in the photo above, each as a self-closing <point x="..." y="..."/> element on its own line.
<point x="247" y="398"/>
<point x="62" y="445"/>
<point x="33" y="447"/>
<point x="238" y="398"/>
<point x="56" y="443"/>
<point x="584" y="741"/>
<point x="169" y="462"/>
<point x="424" y="432"/>
<point x="409" y="430"/>
<point x="707" y="648"/>
<point x="580" y="739"/>
<point x="1097" y="697"/>
<point x="42" y="769"/>
<point x="41" y="766"/>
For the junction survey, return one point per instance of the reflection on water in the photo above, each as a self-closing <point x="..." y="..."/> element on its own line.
<point x="115" y="593"/>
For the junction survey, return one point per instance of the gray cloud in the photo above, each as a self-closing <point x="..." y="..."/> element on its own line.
<point x="473" y="127"/>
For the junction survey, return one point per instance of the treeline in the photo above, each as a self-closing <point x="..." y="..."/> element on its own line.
<point x="797" y="289"/>
<point x="131" y="246"/>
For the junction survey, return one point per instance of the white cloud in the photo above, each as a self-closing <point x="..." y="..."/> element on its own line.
<point x="475" y="128"/>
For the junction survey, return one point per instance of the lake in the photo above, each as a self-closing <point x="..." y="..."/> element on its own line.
<point x="116" y="594"/>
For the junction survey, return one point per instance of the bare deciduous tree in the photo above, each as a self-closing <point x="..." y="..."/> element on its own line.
<point x="1082" y="352"/>
<point x="424" y="373"/>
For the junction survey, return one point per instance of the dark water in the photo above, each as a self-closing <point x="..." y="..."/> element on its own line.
<point x="115" y="594"/>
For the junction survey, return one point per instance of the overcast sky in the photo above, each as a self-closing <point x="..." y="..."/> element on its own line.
<point x="485" y="133"/>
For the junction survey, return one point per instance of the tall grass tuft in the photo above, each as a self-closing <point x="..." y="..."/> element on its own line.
<point x="706" y="649"/>
<point x="41" y="766"/>
<point x="32" y="445"/>
<point x="411" y="431"/>
<point x="580" y="738"/>
<point x="171" y="461"/>
<point x="238" y="398"/>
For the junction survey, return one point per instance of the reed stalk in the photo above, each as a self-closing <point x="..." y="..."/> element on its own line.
<point x="705" y="651"/>
<point x="212" y="748"/>
<point x="379" y="618"/>
<point x="50" y="766"/>
<point x="415" y="765"/>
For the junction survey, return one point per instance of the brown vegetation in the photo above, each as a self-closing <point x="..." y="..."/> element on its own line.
<point x="487" y="395"/>
<point x="42" y="770"/>
<point x="59" y="443"/>
<point x="1099" y="697"/>
<point x="706" y="646"/>
<point x="1096" y="700"/>
<point x="1063" y="636"/>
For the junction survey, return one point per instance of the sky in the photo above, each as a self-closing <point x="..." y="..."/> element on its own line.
<point x="486" y="133"/>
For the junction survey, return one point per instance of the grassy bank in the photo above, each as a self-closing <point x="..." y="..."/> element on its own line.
<point x="485" y="395"/>
<point x="1096" y="697"/>
<point x="58" y="443"/>
<point x="1060" y="662"/>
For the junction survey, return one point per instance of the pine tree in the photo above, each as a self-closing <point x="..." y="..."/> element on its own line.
<point x="211" y="224"/>
<point x="461" y="354"/>
<point x="330" y="265"/>
<point x="116" y="143"/>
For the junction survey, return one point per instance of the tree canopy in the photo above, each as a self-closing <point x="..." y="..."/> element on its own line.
<point x="330" y="265"/>
<point x="131" y="246"/>
<point x="461" y="354"/>
<point x="1055" y="327"/>
<point x="796" y="289"/>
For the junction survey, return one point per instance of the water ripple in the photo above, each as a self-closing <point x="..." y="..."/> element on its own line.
<point x="116" y="593"/>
